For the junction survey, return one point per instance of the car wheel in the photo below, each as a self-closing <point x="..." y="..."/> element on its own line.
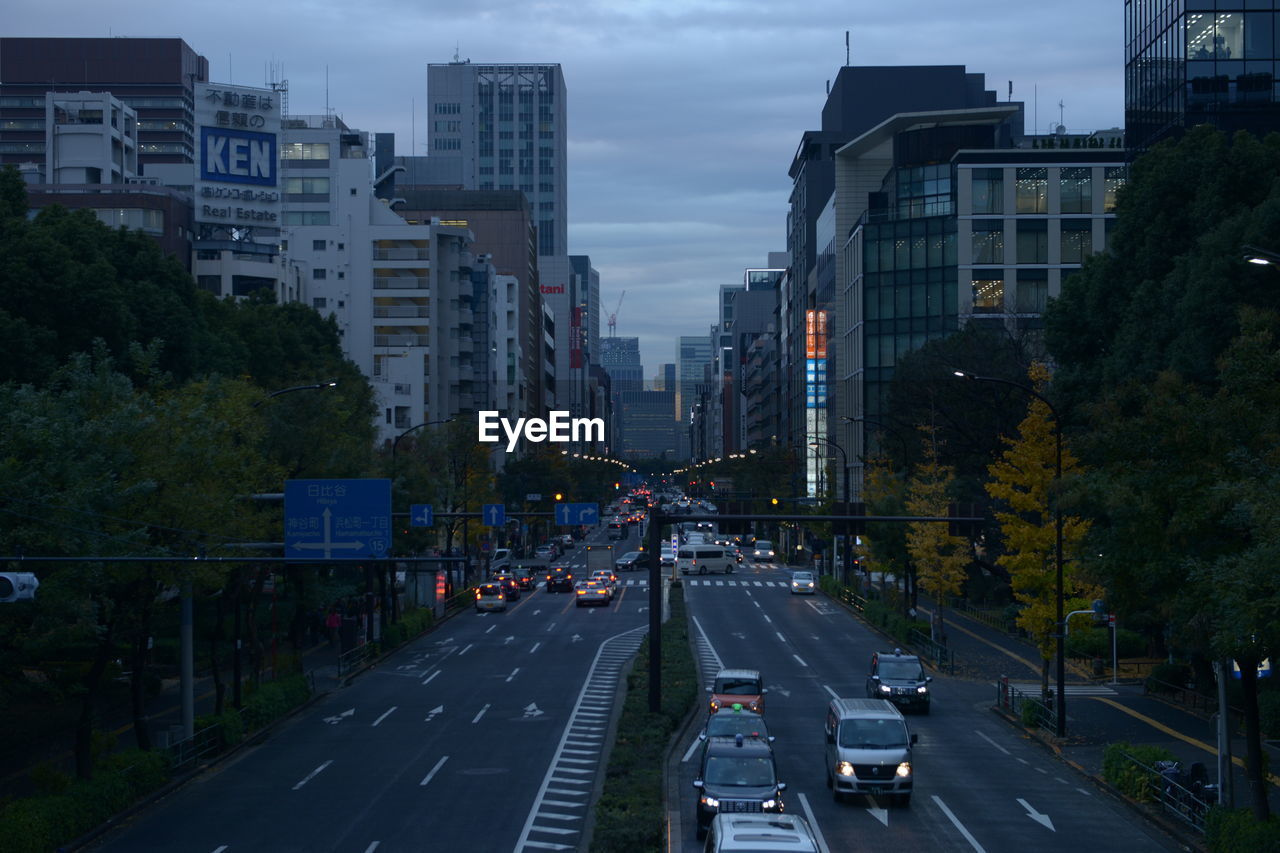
<point x="728" y="570"/>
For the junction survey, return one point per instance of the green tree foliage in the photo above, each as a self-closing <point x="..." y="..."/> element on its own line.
<point x="1023" y="482"/>
<point x="885" y="544"/>
<point x="939" y="558"/>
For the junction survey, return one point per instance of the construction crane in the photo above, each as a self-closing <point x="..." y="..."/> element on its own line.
<point x="613" y="318"/>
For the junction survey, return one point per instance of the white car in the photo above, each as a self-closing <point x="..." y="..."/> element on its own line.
<point x="763" y="550"/>
<point x="803" y="583"/>
<point x="752" y="832"/>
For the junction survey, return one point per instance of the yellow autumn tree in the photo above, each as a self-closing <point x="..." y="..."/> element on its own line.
<point x="1022" y="481"/>
<point x="883" y="550"/>
<point x="939" y="558"/>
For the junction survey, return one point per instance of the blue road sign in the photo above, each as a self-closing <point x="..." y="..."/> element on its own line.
<point x="337" y="519"/>
<point x="577" y="513"/>
<point x="420" y="515"/>
<point x="494" y="515"/>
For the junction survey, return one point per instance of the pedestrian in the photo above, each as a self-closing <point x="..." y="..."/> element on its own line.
<point x="332" y="623"/>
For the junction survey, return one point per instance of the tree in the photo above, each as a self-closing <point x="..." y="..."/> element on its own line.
<point x="885" y="543"/>
<point x="939" y="558"/>
<point x="1023" y="481"/>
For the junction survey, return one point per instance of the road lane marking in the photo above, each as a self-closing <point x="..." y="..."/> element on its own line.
<point x="372" y="847"/>
<point x="798" y="660"/>
<point x="689" y="752"/>
<point x="535" y="647"/>
<point x="513" y="674"/>
<point x="780" y="637"/>
<point x="490" y="628"/>
<point x="434" y="770"/>
<point x="993" y="743"/>
<point x="834" y="695"/>
<point x="313" y="774"/>
<point x="386" y="714"/>
<point x="219" y="849"/>
<point x="465" y="650"/>
<point x="431" y="676"/>
<point x="767" y="619"/>
<point x="813" y="824"/>
<point x="1024" y="761"/>
<point x="477" y="717"/>
<point x="1083" y="791"/>
<point x="958" y="825"/>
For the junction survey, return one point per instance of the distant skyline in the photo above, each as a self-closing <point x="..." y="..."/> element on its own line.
<point x="682" y="119"/>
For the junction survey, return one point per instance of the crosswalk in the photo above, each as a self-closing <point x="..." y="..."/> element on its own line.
<point x="709" y="582"/>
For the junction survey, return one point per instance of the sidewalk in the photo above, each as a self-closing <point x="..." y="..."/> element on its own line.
<point x="1098" y="712"/>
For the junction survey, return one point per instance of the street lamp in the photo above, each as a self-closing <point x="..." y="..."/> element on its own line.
<point x="1057" y="525"/>
<point x="1255" y="255"/>
<point x="315" y="387"/>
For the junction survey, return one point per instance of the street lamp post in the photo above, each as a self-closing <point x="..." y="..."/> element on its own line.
<point x="1057" y="525"/>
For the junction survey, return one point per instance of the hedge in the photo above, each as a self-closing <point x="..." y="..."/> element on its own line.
<point x="629" y="816"/>
<point x="411" y="624"/>
<point x="1237" y="832"/>
<point x="40" y="824"/>
<point x="273" y="699"/>
<point x="1128" y="778"/>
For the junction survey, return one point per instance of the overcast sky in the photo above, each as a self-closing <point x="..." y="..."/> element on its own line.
<point x="683" y="116"/>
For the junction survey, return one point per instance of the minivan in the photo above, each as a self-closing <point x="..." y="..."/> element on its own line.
<point x="701" y="559"/>
<point x="868" y="750"/>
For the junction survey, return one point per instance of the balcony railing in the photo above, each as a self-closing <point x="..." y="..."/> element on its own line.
<point x="401" y="340"/>
<point x="411" y="254"/>
<point x="401" y="311"/>
<point x="405" y="282"/>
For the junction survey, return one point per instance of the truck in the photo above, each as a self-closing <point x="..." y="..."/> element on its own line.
<point x="599" y="557"/>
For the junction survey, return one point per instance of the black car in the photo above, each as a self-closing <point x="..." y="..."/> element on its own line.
<point x="524" y="575"/>
<point x="630" y="561"/>
<point x="899" y="678"/>
<point x="737" y="775"/>
<point x="559" y="579"/>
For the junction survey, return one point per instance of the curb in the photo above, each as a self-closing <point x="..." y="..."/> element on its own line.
<point x="1156" y="820"/>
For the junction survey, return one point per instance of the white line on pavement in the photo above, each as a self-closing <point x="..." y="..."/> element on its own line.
<point x="434" y="770"/>
<point x="490" y="628"/>
<point x="534" y="648"/>
<point x="313" y="774"/>
<point x="767" y="619"/>
<point x="385" y="714"/>
<point x="813" y="824"/>
<point x="689" y="753"/>
<point x="780" y="637"/>
<point x="465" y="650"/>
<point x="431" y="676"/>
<point x="960" y="826"/>
<point x="513" y="674"/>
<point x="219" y="849"/>
<point x="372" y="847"/>
<point x="799" y="660"/>
<point x="1083" y="791"/>
<point x="481" y="714"/>
<point x="990" y="741"/>
<point x="834" y="695"/>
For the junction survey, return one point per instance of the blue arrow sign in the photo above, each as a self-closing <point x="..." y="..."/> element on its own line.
<point x="494" y="515"/>
<point x="420" y="515"/>
<point x="577" y="513"/>
<point x="337" y="519"/>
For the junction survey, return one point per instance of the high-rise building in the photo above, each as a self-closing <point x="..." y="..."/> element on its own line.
<point x="693" y="358"/>
<point x="1190" y="62"/>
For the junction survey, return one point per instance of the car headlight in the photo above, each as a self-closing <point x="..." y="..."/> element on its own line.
<point x="922" y="689"/>
<point x="904" y="769"/>
<point x="844" y="768"/>
<point x="711" y="802"/>
<point x="884" y="688"/>
<point x="769" y="805"/>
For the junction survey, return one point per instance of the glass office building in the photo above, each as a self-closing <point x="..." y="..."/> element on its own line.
<point x="1190" y="62"/>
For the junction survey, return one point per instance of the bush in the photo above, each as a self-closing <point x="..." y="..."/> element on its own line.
<point x="1030" y="712"/>
<point x="39" y="824"/>
<point x="1269" y="712"/>
<point x="273" y="700"/>
<point x="1096" y="643"/>
<point x="1127" y="777"/>
<point x="1177" y="674"/>
<point x="1237" y="832"/>
<point x="231" y="727"/>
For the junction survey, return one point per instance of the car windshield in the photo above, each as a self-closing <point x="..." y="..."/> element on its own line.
<point x="738" y="686"/>
<point x="490" y="590"/>
<point x="764" y="546"/>
<point x="732" y="724"/>
<point x="901" y="670"/>
<point x="873" y="734"/>
<point x="735" y="770"/>
<point x="802" y="576"/>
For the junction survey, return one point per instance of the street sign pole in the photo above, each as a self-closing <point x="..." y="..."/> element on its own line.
<point x="654" y="547"/>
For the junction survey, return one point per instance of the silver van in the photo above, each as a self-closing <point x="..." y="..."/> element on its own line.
<point x="868" y="750"/>
<point x="700" y="559"/>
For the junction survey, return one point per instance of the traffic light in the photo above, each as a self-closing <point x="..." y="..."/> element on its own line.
<point x="559" y="496"/>
<point x="17" y="586"/>
<point x="773" y="501"/>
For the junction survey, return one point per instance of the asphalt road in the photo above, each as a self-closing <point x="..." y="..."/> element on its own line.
<point x="980" y="786"/>
<point x="485" y="735"/>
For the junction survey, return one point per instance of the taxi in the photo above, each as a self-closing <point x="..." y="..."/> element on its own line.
<point x="490" y="596"/>
<point x="592" y="592"/>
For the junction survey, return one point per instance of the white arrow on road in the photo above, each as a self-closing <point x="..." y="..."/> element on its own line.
<point x="508" y="641"/>
<point x="337" y="718"/>
<point x="434" y="712"/>
<point x="576" y="638"/>
<point x="879" y="813"/>
<point x="536" y="612"/>
<point x="1042" y="819"/>
<point x="740" y="635"/>
<point x="786" y="693"/>
<point x="531" y="710"/>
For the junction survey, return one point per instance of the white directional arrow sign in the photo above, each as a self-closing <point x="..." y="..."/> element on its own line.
<point x="435" y="712"/>
<point x="327" y="544"/>
<point x="531" y="710"/>
<point x="880" y="814"/>
<point x="1042" y="819"/>
<point x="786" y="693"/>
<point x="536" y="612"/>
<point x="576" y="638"/>
<point x="508" y="641"/>
<point x="337" y="718"/>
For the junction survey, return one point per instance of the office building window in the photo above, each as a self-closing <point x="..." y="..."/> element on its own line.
<point x="1032" y="191"/>
<point x="1033" y="291"/>
<point x="988" y="190"/>
<point x="1076" y="190"/>
<point x="1077" y="240"/>
<point x="988" y="241"/>
<point x="304" y="151"/>
<point x="319" y="302"/>
<point x="317" y="245"/>
<point x="1033" y="241"/>
<point x="448" y="109"/>
<point x="988" y="291"/>
<point x="448" y="145"/>
<point x="1219" y="36"/>
<point x="306" y="186"/>
<point x="319" y="274"/>
<point x="306" y="217"/>
<point x="1112" y="182"/>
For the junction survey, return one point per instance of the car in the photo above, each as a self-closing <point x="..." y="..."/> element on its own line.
<point x="565" y="541"/>
<point x="524" y="575"/>
<point x="617" y="529"/>
<point x="490" y="596"/>
<point x="510" y="586"/>
<point x="700" y="559"/>
<point x="667" y="558"/>
<point x="751" y="833"/>
<point x="763" y="550"/>
<point x="868" y="750"/>
<point x="802" y="583"/>
<point x="559" y="579"/>
<point x="738" y="775"/>
<point x="741" y="686"/>
<point x="501" y="560"/>
<point x="731" y="720"/>
<point x="630" y="561"/>
<point x="545" y="552"/>
<point x="606" y="577"/>
<point x="899" y="678"/>
<point x="592" y="592"/>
